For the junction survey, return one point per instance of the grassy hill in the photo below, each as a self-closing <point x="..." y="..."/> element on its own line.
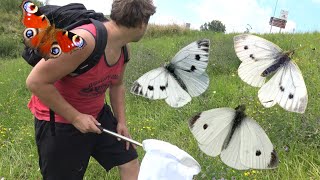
<point x="296" y="137"/>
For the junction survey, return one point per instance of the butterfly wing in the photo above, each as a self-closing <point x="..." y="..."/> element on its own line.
<point x="195" y="85"/>
<point x="49" y="41"/>
<point x="231" y="155"/>
<point x="32" y="17"/>
<point x="189" y="65"/>
<point x="36" y="23"/>
<point x="68" y="41"/>
<point x="256" y="54"/>
<point x="193" y="58"/>
<point x="159" y="84"/>
<point x="256" y="149"/>
<point x="177" y="97"/>
<point x="210" y="129"/>
<point x="287" y="88"/>
<point x="152" y="85"/>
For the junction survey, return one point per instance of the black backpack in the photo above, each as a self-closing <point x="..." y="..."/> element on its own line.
<point x="69" y="17"/>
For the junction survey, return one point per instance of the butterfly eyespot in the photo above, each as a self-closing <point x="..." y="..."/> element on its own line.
<point x="78" y="41"/>
<point x="282" y="88"/>
<point x="150" y="88"/>
<point x="30" y="7"/>
<point x="55" y="50"/>
<point x="30" y="33"/>
<point x="246" y="47"/>
<point x="258" y="153"/>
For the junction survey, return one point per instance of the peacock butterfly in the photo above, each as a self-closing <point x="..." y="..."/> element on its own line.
<point x="42" y="36"/>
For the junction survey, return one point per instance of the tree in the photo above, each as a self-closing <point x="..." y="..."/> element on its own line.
<point x="215" y="26"/>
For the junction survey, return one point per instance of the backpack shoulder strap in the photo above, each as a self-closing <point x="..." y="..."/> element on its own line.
<point x="125" y="54"/>
<point x="100" y="45"/>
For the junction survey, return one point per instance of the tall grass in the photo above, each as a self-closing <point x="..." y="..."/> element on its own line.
<point x="155" y="30"/>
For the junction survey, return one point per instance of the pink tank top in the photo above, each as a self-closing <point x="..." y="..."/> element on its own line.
<point x="85" y="92"/>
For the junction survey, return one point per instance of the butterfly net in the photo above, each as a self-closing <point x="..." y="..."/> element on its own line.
<point x="164" y="161"/>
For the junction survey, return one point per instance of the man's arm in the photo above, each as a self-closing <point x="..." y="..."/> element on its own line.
<point x="117" y="99"/>
<point x="43" y="76"/>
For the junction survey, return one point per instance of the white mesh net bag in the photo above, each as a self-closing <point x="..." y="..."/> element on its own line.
<point x="164" y="161"/>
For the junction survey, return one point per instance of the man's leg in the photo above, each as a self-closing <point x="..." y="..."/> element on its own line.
<point x="130" y="170"/>
<point x="110" y="152"/>
<point x="64" y="156"/>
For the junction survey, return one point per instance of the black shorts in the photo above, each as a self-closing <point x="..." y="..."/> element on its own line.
<point x="66" y="155"/>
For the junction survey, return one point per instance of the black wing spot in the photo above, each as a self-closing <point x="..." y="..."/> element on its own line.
<point x="291" y="96"/>
<point x="205" y="126"/>
<point x="163" y="88"/>
<point x="150" y="88"/>
<point x="258" y="153"/>
<point x="194" y="120"/>
<point x="193" y="68"/>
<point x="136" y="90"/>
<point x="136" y="86"/>
<point x="197" y="57"/>
<point x="274" y="161"/>
<point x="252" y="57"/>
<point x="282" y="88"/>
<point x="246" y="47"/>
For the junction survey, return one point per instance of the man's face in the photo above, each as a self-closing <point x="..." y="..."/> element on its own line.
<point x="140" y="31"/>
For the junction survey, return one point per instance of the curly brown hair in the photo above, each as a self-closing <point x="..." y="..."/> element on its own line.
<point x="132" y="13"/>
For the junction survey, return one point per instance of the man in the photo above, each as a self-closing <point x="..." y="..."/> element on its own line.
<point x="78" y="102"/>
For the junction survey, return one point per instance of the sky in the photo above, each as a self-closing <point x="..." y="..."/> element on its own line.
<point x="236" y="15"/>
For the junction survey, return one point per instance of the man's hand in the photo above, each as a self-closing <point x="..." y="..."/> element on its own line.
<point x="86" y="123"/>
<point x="123" y="130"/>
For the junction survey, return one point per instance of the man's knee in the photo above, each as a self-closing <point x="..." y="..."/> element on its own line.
<point x="130" y="170"/>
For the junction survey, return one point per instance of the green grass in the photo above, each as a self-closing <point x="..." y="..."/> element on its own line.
<point x="155" y="119"/>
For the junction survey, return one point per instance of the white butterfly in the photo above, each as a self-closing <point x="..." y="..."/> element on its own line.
<point x="177" y="82"/>
<point x="240" y="141"/>
<point x="260" y="59"/>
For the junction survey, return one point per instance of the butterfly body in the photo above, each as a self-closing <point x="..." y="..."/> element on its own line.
<point x="171" y="69"/>
<point x="261" y="59"/>
<point x="280" y="62"/>
<point x="44" y="37"/>
<point x="184" y="77"/>
<point x="236" y="123"/>
<point x="239" y="140"/>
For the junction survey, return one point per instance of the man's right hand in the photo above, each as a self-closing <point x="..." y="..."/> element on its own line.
<point x="86" y="123"/>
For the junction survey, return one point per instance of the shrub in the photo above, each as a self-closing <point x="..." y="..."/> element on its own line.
<point x="155" y="30"/>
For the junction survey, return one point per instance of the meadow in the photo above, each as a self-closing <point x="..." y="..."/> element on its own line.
<point x="296" y="137"/>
